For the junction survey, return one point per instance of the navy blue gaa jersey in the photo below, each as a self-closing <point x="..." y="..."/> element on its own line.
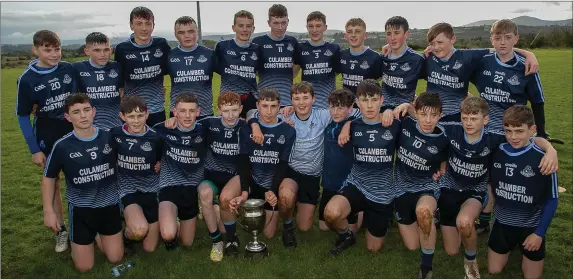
<point x="137" y="155"/>
<point x="276" y="63"/>
<point x="372" y="169"/>
<point x="183" y="155"/>
<point x="504" y="85"/>
<point x="468" y="162"/>
<point x="101" y="84"/>
<point x="238" y="66"/>
<point x="450" y="78"/>
<point x="89" y="166"/>
<point x="400" y="76"/>
<point x="419" y="156"/>
<point x="143" y="68"/>
<point x="519" y="189"/>
<point x="356" y="67"/>
<point x="317" y="64"/>
<point x="46" y="88"/>
<point x="279" y="140"/>
<point x="192" y="71"/>
<point x="223" y="144"/>
<point x="337" y="160"/>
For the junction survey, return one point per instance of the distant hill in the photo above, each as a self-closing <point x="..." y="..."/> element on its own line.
<point x="524" y="21"/>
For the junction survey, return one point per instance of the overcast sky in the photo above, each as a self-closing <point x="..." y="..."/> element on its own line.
<point x="74" y="20"/>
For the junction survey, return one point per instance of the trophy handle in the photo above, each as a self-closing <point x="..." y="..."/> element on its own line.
<point x="240" y="217"/>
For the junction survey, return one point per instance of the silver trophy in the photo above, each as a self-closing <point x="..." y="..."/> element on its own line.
<point x="252" y="219"/>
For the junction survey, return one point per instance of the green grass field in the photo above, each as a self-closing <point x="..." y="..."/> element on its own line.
<point x="28" y="247"/>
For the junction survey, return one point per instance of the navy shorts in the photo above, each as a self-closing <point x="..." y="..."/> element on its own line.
<point x="406" y="206"/>
<point x="377" y="216"/>
<point x="217" y="180"/>
<point x="184" y="197"/>
<point x="147" y="202"/>
<point x="87" y="222"/>
<point x="308" y="186"/>
<point x="504" y="238"/>
<point x="326" y="196"/>
<point x="450" y="203"/>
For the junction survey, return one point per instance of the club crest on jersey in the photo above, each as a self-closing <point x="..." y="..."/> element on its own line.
<point x="106" y="149"/>
<point x="364" y="65"/>
<point x="254" y="56"/>
<point x="485" y="152"/>
<point x="281" y="139"/>
<point x="387" y="135"/>
<point x="514" y="80"/>
<point x="198" y="139"/>
<point x="457" y="65"/>
<point x="146" y="146"/>
<point x="328" y="53"/>
<point x="202" y="59"/>
<point x="405" y="67"/>
<point x="290" y="48"/>
<point x="112" y="73"/>
<point x="433" y="149"/>
<point x="67" y="79"/>
<point x="527" y="172"/>
<point x="158" y="53"/>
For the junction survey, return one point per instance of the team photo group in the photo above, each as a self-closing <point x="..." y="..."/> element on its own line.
<point x="368" y="155"/>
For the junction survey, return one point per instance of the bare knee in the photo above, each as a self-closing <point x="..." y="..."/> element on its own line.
<point x="224" y="203"/>
<point x="168" y="235"/>
<point x="115" y="258"/>
<point x="491" y="269"/>
<point x="323" y="226"/>
<point x="187" y="243"/>
<point x="149" y="249"/>
<point x="451" y="251"/>
<point x="286" y="199"/>
<point x="375" y="248"/>
<point x="304" y="226"/>
<point x="465" y="226"/>
<point x="331" y="214"/>
<point x="138" y="232"/>
<point x="425" y="219"/>
<point x="206" y="196"/>
<point x="83" y="267"/>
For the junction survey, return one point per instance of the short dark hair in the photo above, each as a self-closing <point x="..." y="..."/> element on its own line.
<point x="278" y="10"/>
<point x="269" y="94"/>
<point x="518" y="115"/>
<point x="368" y="87"/>
<point x="132" y="103"/>
<point x="141" y="12"/>
<point x="243" y="14"/>
<point x="185" y="97"/>
<point x="396" y="22"/>
<point x="76" y="98"/>
<point x="428" y="100"/>
<point x="316" y="15"/>
<point x="341" y="98"/>
<point x="474" y="105"/>
<point x="439" y="28"/>
<point x="302" y="87"/>
<point x="46" y="38"/>
<point x="96" y="38"/>
<point x="185" y="20"/>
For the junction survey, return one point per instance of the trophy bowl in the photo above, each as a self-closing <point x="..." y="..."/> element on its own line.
<point x="252" y="220"/>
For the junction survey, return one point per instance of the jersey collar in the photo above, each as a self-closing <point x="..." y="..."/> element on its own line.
<point x="187" y="50"/>
<point x="448" y="59"/>
<point x="96" y="66"/>
<point x="430" y="134"/>
<point x="240" y="45"/>
<point x="125" y="131"/>
<point x="186" y="130"/>
<point x="136" y="45"/>
<point x="359" y="53"/>
<point x="279" y="121"/>
<point x="476" y="141"/>
<point x="276" y="40"/>
<point x="228" y="126"/>
<point x="317" y="45"/>
<point x="88" y="139"/>
<point x="517" y="59"/>
<point x="509" y="150"/>
<point x="42" y="72"/>
<point x="389" y="55"/>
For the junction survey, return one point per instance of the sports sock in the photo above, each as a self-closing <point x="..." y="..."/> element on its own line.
<point x="427" y="257"/>
<point x="215" y="236"/>
<point x="63" y="227"/>
<point x="470" y="255"/>
<point x="287" y="224"/>
<point x="230" y="229"/>
<point x="485" y="217"/>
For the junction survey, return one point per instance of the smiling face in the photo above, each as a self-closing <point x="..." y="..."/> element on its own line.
<point x="49" y="56"/>
<point x="135" y="121"/>
<point x="355" y="35"/>
<point x="428" y="119"/>
<point x="186" y="114"/>
<point x="302" y="103"/>
<point x="396" y="38"/>
<point x="316" y="29"/>
<point x="443" y="46"/>
<point x="243" y="28"/>
<point x="518" y="136"/>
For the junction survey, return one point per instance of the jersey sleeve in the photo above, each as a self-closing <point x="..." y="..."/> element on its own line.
<point x="289" y="143"/>
<point x="496" y="138"/>
<point x="377" y="71"/>
<point x="165" y="48"/>
<point x="117" y="55"/>
<point x="534" y="90"/>
<point x="477" y="54"/>
<point x="24" y="103"/>
<point x="449" y="127"/>
<point x="54" y="162"/>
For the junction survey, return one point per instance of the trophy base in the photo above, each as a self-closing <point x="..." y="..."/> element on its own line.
<point x="259" y="253"/>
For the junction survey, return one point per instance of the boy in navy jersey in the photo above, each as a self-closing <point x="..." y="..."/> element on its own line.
<point x="143" y="60"/>
<point x="238" y="61"/>
<point x="448" y="70"/>
<point x="401" y="67"/>
<point x="317" y="59"/>
<point x="89" y="165"/>
<point x="357" y="62"/>
<point x="139" y="150"/>
<point x="101" y="80"/>
<point x="46" y="83"/>
<point x="525" y="200"/>
<point x="182" y="168"/>
<point x="191" y="66"/>
<point x="261" y="168"/>
<point x="277" y="51"/>
<point x="422" y="147"/>
<point x="369" y="186"/>
<point x="337" y="160"/>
